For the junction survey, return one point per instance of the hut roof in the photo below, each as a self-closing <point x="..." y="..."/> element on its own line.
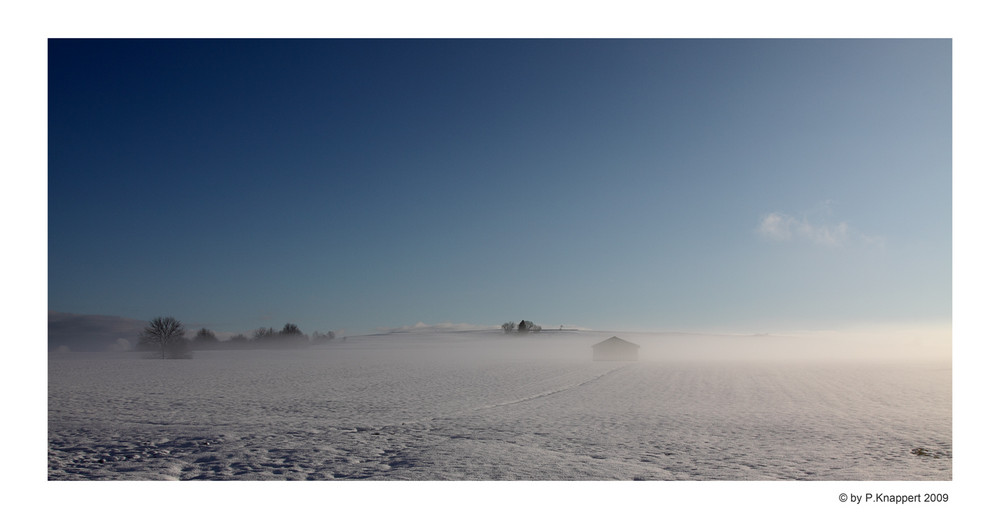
<point x="615" y="341"/>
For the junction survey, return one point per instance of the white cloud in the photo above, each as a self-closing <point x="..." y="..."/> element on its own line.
<point x="776" y="226"/>
<point x="782" y="227"/>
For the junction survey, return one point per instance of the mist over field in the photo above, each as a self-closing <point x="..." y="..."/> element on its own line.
<point x="885" y="343"/>
<point x="483" y="405"/>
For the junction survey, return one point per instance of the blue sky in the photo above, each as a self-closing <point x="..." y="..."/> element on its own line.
<point x="711" y="185"/>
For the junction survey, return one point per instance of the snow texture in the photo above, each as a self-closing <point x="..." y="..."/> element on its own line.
<point x="474" y="406"/>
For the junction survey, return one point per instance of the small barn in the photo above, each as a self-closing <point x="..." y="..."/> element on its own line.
<point x="616" y="349"/>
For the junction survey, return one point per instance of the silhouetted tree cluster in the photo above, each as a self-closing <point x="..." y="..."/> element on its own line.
<point x="289" y="335"/>
<point x="165" y="336"/>
<point x="291" y="331"/>
<point x="205" y="336"/>
<point x="522" y="327"/>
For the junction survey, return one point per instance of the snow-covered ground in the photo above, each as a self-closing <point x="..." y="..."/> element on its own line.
<point x="478" y="405"/>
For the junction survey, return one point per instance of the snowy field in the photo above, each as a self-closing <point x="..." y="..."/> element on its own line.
<point x="481" y="406"/>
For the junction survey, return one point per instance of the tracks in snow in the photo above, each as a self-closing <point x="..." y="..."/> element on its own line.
<point x="549" y="393"/>
<point x="415" y="444"/>
<point x="509" y="403"/>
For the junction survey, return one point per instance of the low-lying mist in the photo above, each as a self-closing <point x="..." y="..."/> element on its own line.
<point x="901" y="344"/>
<point x="912" y="345"/>
<point x="872" y="345"/>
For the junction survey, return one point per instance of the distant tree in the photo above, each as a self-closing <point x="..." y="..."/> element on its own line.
<point x="508" y="327"/>
<point x="291" y="334"/>
<point x="238" y="338"/>
<point x="264" y="334"/>
<point x="528" y="326"/>
<point x="205" y="335"/>
<point x="291" y="330"/>
<point x="167" y="335"/>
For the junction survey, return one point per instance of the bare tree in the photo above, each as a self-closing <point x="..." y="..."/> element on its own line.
<point x="166" y="334"/>
<point x="264" y="334"/>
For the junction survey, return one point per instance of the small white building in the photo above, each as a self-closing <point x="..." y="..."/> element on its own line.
<point x="616" y="349"/>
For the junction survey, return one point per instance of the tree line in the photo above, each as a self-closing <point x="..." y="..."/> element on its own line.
<point x="167" y="338"/>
